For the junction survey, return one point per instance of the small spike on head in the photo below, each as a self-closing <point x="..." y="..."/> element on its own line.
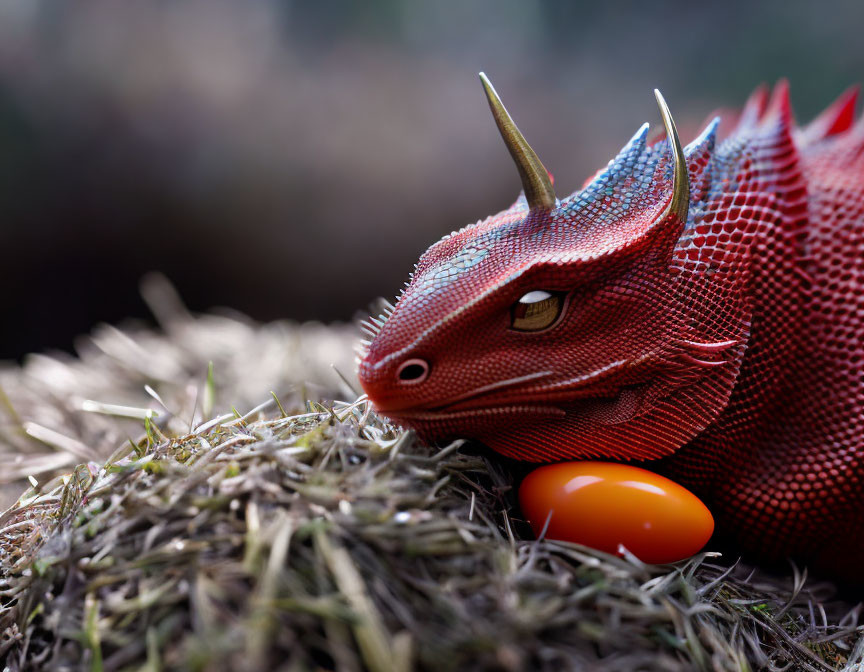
<point x="680" y="203"/>
<point x="535" y="178"/>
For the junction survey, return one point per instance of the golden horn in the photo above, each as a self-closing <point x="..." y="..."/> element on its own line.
<point x="535" y="178"/>
<point x="680" y="203"/>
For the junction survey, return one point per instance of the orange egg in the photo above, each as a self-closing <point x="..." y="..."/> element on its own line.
<point x="602" y="505"/>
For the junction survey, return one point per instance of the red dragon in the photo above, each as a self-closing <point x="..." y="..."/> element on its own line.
<point x="701" y="306"/>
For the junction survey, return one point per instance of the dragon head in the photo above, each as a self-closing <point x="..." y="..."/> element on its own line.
<point x="560" y="329"/>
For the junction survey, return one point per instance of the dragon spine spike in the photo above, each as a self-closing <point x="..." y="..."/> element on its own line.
<point x="706" y="140"/>
<point x="535" y="178"/>
<point x="754" y="108"/>
<point x="779" y="109"/>
<point x="680" y="202"/>
<point x="835" y="119"/>
<point x="618" y="168"/>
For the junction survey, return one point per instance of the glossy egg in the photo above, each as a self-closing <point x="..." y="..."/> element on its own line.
<point x="604" y="505"/>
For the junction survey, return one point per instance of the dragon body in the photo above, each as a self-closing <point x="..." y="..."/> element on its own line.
<point x="702" y="307"/>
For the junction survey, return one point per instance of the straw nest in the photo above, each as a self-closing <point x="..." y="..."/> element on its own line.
<point x="166" y="526"/>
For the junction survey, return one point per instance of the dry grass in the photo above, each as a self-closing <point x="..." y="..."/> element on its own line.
<point x="320" y="537"/>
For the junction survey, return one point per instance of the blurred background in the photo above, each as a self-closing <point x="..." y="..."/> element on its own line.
<point x="293" y="159"/>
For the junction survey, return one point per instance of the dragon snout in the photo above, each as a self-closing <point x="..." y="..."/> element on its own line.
<point x="387" y="385"/>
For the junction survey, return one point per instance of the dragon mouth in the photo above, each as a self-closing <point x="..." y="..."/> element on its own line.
<point x="439" y="415"/>
<point x="523" y="396"/>
<point x="609" y="407"/>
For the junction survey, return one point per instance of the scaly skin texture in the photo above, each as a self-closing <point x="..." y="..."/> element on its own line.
<point x="728" y="346"/>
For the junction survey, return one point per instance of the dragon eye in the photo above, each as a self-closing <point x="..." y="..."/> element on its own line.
<point x="536" y="310"/>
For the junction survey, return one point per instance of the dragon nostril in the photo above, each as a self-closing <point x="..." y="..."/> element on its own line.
<point x="413" y="371"/>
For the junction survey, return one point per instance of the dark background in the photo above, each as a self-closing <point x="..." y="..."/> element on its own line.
<point x="293" y="159"/>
